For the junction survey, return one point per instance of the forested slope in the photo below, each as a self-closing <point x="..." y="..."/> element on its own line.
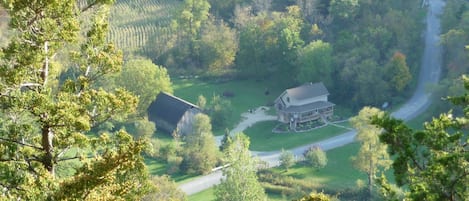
<point x="356" y="47"/>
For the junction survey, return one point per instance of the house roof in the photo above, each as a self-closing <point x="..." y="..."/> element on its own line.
<point x="169" y="108"/>
<point x="307" y="90"/>
<point x="308" y="107"/>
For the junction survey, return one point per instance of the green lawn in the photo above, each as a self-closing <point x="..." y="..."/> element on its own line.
<point x="205" y="195"/>
<point x="262" y="138"/>
<point x="338" y="174"/>
<point x="247" y="95"/>
<point x="208" y="195"/>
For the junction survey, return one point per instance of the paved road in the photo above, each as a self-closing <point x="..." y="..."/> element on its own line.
<point x="429" y="74"/>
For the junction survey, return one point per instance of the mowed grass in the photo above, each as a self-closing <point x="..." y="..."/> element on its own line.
<point x="263" y="139"/>
<point x="248" y="94"/>
<point x="338" y="174"/>
<point x="209" y="194"/>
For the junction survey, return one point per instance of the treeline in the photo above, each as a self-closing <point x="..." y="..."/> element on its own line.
<point x="454" y="38"/>
<point x="355" y="47"/>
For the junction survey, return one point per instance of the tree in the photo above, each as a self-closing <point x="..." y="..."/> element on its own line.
<point x="143" y="128"/>
<point x="145" y="80"/>
<point x="220" y="111"/>
<point x="344" y="9"/>
<point x="193" y="16"/>
<point x="201" y="102"/>
<point x="218" y="47"/>
<point x="316" y="157"/>
<point x="200" y="153"/>
<point x="315" y="63"/>
<point x="372" y="156"/>
<point x="165" y="190"/>
<point x="226" y="141"/>
<point x="240" y="181"/>
<point x="224" y="9"/>
<point x="432" y="163"/>
<point x="287" y="159"/>
<point x="398" y="71"/>
<point x="317" y="197"/>
<point x="46" y="124"/>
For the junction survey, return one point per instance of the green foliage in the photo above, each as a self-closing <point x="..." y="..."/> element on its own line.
<point x="344" y="9"/>
<point x="219" y="110"/>
<point x="316" y="157"/>
<point x="431" y="162"/>
<point x="217" y="46"/>
<point x="165" y="190"/>
<point x="398" y="72"/>
<point x="226" y="141"/>
<point x="225" y="9"/>
<point x="42" y="119"/>
<point x="287" y="159"/>
<point x="317" y="197"/>
<point x="315" y="63"/>
<point x="372" y="157"/>
<point x="291" y="187"/>
<point x="145" y="80"/>
<point x="201" y="102"/>
<point x="240" y="182"/>
<point x="200" y="154"/>
<point x="143" y="128"/>
<point x="268" y="44"/>
<point x="192" y="17"/>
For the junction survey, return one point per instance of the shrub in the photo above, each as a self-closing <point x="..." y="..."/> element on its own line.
<point x="316" y="157"/>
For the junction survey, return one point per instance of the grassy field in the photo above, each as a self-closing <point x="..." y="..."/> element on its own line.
<point x="208" y="195"/>
<point x="262" y="138"/>
<point x="339" y="174"/>
<point x="247" y="95"/>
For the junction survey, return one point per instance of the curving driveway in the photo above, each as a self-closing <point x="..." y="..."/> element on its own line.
<point x="429" y="74"/>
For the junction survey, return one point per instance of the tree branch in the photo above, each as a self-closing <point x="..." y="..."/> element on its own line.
<point x="21" y="143"/>
<point x="69" y="158"/>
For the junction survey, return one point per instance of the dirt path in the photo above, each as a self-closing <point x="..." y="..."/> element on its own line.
<point x="248" y="119"/>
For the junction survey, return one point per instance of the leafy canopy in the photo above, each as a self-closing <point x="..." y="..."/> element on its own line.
<point x="432" y="162"/>
<point x="45" y="124"/>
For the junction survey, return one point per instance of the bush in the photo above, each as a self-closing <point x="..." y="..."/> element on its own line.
<point x="173" y="164"/>
<point x="316" y="157"/>
<point x="154" y="148"/>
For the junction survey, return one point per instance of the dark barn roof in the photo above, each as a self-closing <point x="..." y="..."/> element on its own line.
<point x="169" y="108"/>
<point x="308" y="90"/>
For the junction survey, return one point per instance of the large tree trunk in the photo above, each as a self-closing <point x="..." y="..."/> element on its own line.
<point x="48" y="159"/>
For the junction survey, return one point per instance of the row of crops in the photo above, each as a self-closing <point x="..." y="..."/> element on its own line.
<point x="142" y="25"/>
